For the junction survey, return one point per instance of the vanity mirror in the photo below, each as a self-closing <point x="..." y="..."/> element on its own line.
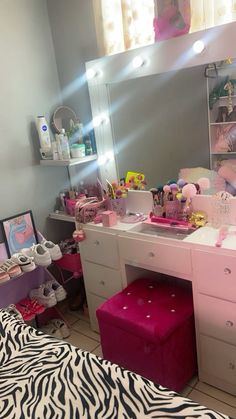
<point x="62" y="118"/>
<point x="150" y="105"/>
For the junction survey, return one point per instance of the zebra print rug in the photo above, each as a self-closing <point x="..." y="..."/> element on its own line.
<point x="44" y="378"/>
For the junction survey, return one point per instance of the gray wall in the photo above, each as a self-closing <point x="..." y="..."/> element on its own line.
<point x="74" y="37"/>
<point x="29" y="87"/>
<point x="160" y="124"/>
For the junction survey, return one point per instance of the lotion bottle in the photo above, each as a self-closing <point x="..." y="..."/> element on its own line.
<point x="43" y="131"/>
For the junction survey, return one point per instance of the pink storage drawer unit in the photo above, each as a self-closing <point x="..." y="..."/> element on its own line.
<point x="148" y="328"/>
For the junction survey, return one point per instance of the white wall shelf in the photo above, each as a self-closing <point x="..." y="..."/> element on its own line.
<point x="62" y="216"/>
<point x="69" y="162"/>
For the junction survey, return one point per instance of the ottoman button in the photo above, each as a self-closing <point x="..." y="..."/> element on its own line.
<point x="149" y="301"/>
<point x="148" y="316"/>
<point x="128" y="293"/>
<point x="172" y="295"/>
<point x="151" y="286"/>
<point x="124" y="307"/>
<point x="172" y="310"/>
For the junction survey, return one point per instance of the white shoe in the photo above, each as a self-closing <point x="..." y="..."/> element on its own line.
<point x="26" y="263"/>
<point x="53" y="249"/>
<point x="51" y="329"/>
<point x="61" y="325"/>
<point x="40" y="254"/>
<point x="44" y="296"/>
<point x="57" y="288"/>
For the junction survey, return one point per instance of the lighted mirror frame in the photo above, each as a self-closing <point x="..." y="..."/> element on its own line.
<point x="174" y="54"/>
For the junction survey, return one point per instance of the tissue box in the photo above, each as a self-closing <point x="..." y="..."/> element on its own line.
<point x="109" y="218"/>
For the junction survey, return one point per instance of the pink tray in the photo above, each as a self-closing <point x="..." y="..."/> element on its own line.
<point x="168" y="223"/>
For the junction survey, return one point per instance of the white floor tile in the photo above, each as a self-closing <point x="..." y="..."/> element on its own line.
<point x="81" y="341"/>
<point x="82" y="326"/>
<point x="98" y="351"/>
<point x="212" y="403"/>
<point x="216" y="393"/>
<point x="79" y="315"/>
<point x="70" y="318"/>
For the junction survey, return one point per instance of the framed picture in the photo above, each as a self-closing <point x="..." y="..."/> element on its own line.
<point x="19" y="231"/>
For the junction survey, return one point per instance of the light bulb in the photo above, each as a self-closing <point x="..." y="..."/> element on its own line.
<point x="102" y="160"/>
<point x="198" y="47"/>
<point x="91" y="73"/>
<point x="138" y="62"/>
<point x="97" y="121"/>
<point x="109" y="155"/>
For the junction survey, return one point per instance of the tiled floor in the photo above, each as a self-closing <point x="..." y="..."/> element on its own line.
<point x="84" y="338"/>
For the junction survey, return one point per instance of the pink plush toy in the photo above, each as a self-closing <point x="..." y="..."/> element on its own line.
<point x="173" y="19"/>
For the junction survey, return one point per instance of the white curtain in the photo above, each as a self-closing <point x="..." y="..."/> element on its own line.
<point x="124" y="24"/>
<point x="208" y="13"/>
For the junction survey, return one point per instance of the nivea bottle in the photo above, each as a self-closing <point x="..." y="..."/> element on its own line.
<point x="43" y="131"/>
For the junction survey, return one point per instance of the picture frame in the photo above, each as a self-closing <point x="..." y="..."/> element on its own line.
<point x="19" y="232"/>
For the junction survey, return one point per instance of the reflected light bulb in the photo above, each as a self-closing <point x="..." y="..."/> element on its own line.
<point x="198" y="47"/>
<point x="138" y="62"/>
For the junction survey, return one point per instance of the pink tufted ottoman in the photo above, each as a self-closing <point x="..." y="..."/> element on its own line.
<point x="148" y="328"/>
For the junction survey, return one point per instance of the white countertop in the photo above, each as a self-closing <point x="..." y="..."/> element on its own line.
<point x="208" y="236"/>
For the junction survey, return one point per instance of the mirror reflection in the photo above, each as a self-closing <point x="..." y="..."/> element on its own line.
<point x="165" y="122"/>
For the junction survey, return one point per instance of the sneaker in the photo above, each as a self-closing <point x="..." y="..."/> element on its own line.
<point x="54" y="249"/>
<point x="57" y="288"/>
<point x="11" y="268"/>
<point x="50" y="329"/>
<point x="26" y="263"/>
<point x="26" y="313"/>
<point x="12" y="310"/>
<point x="33" y="305"/>
<point x="44" y="296"/>
<point x="4" y="276"/>
<point x="40" y="254"/>
<point x="62" y="326"/>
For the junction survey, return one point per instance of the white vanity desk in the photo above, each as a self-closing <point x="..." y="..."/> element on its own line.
<point x="111" y="258"/>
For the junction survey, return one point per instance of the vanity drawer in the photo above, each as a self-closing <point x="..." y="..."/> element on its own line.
<point x="100" y="248"/>
<point x="101" y="280"/>
<point x="93" y="303"/>
<point x="215" y="274"/>
<point x="160" y="256"/>
<point x="217" y="318"/>
<point x="218" y="359"/>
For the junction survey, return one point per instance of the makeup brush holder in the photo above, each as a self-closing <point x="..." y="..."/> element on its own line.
<point x="172" y="209"/>
<point x="220" y="211"/>
<point x="119" y="206"/>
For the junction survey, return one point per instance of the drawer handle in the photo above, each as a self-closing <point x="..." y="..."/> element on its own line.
<point x="102" y="282"/>
<point x="96" y="242"/>
<point x="231" y="366"/>
<point x="227" y="271"/>
<point x="229" y="323"/>
<point x="151" y="254"/>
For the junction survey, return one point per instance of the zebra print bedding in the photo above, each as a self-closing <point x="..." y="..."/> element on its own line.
<point x="44" y="378"/>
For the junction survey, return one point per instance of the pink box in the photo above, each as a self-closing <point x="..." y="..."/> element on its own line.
<point x="109" y="218"/>
<point x="148" y="328"/>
